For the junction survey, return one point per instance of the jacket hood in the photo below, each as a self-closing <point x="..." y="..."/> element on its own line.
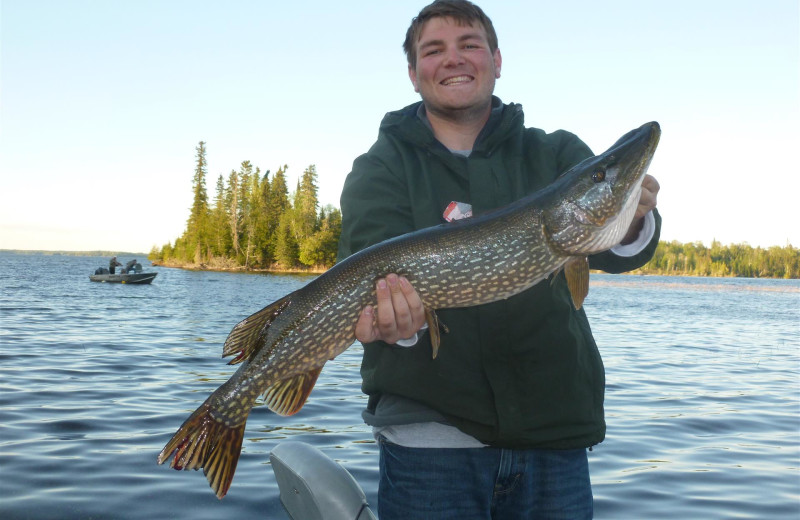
<point x="405" y="124"/>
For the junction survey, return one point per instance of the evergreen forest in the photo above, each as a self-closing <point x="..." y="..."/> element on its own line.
<point x="742" y="260"/>
<point x="255" y="223"/>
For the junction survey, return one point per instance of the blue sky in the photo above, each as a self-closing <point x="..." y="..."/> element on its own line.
<point x="102" y="103"/>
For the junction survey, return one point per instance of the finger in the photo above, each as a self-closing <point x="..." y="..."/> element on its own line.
<point x="648" y="197"/>
<point x="651" y="184"/>
<point x="415" y="305"/>
<point x="365" y="326"/>
<point x="385" y="316"/>
<point x="646" y="204"/>
<point x="404" y="323"/>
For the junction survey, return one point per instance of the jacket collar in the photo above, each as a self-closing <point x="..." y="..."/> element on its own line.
<point x="411" y="125"/>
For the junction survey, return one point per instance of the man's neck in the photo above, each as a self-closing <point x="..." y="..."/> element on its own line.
<point x="458" y="133"/>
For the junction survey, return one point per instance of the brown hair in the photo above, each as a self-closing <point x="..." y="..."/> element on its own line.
<point x="463" y="12"/>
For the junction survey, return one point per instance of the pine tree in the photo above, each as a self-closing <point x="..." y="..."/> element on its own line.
<point x="260" y="206"/>
<point x="196" y="236"/>
<point x="279" y="204"/>
<point x="285" y="244"/>
<point x="246" y="231"/>
<point x="233" y="206"/>
<point x="320" y="248"/>
<point x="305" y="221"/>
<point x="220" y="230"/>
<point x="306" y="203"/>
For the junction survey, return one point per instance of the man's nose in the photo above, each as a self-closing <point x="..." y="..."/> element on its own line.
<point x="453" y="56"/>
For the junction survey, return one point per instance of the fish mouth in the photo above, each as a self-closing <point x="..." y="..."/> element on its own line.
<point x="456" y="80"/>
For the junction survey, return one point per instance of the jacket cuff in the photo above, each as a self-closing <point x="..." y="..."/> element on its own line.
<point x="410" y="342"/>
<point x="644" y="238"/>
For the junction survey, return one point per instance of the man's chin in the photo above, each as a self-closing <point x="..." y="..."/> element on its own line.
<point x="458" y="109"/>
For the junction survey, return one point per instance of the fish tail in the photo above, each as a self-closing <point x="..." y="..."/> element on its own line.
<point x="205" y="442"/>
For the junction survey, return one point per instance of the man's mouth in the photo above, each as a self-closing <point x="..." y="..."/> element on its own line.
<point x="456" y="80"/>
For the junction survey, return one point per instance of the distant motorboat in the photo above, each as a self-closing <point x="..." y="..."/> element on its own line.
<point x="128" y="278"/>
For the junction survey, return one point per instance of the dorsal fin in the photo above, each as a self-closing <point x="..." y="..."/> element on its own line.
<point x="288" y="396"/>
<point x="247" y="337"/>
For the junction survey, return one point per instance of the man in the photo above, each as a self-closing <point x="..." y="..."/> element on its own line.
<point x="112" y="265"/>
<point x="497" y="426"/>
<point x="129" y="266"/>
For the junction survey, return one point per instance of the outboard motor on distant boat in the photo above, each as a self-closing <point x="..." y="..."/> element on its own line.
<point x="101" y="270"/>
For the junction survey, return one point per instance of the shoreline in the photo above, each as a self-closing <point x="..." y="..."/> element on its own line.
<point x="239" y="268"/>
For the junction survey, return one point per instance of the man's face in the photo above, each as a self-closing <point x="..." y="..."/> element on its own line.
<point x="455" y="70"/>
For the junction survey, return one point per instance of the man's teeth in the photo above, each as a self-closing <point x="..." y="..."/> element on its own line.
<point x="457" y="79"/>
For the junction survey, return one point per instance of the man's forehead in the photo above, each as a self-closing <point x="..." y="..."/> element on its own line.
<point x="439" y="22"/>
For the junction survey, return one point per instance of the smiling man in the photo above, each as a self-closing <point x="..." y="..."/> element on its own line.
<point x="453" y="66"/>
<point x="498" y="424"/>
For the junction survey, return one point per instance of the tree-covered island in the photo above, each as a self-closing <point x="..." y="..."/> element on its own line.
<point x="254" y="223"/>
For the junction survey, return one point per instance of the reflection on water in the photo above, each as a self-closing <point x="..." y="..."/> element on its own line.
<point x="702" y="395"/>
<point x="696" y="283"/>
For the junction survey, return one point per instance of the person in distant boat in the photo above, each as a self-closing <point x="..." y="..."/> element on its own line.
<point x="498" y="425"/>
<point x="112" y="265"/>
<point x="130" y="266"/>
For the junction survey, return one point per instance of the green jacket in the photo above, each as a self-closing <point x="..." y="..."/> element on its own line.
<point x="523" y="372"/>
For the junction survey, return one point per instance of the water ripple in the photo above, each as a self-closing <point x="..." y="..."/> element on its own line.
<point x="702" y="395"/>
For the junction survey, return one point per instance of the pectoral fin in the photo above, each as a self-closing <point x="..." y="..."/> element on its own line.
<point x="247" y="337"/>
<point x="577" y="273"/>
<point x="434" y="329"/>
<point x="287" y="397"/>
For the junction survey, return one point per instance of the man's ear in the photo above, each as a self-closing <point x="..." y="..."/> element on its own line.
<point x="412" y="75"/>
<point x="498" y="63"/>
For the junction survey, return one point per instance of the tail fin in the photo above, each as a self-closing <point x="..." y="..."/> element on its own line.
<point x="204" y="442"/>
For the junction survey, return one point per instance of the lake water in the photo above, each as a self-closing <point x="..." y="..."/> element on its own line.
<point x="702" y="401"/>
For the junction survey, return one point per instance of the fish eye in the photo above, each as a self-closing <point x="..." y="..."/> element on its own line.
<point x="599" y="175"/>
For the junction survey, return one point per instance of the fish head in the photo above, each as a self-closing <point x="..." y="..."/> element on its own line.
<point x="591" y="206"/>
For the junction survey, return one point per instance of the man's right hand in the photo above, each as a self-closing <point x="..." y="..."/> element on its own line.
<point x="400" y="313"/>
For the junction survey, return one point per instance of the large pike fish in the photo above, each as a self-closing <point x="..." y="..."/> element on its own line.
<point x="283" y="347"/>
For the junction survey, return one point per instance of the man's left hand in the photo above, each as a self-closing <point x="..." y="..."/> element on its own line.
<point x="647" y="203"/>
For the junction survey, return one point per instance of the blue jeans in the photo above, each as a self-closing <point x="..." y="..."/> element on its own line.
<point x="482" y="483"/>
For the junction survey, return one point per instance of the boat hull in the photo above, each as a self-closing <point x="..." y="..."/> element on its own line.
<point x="131" y="278"/>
